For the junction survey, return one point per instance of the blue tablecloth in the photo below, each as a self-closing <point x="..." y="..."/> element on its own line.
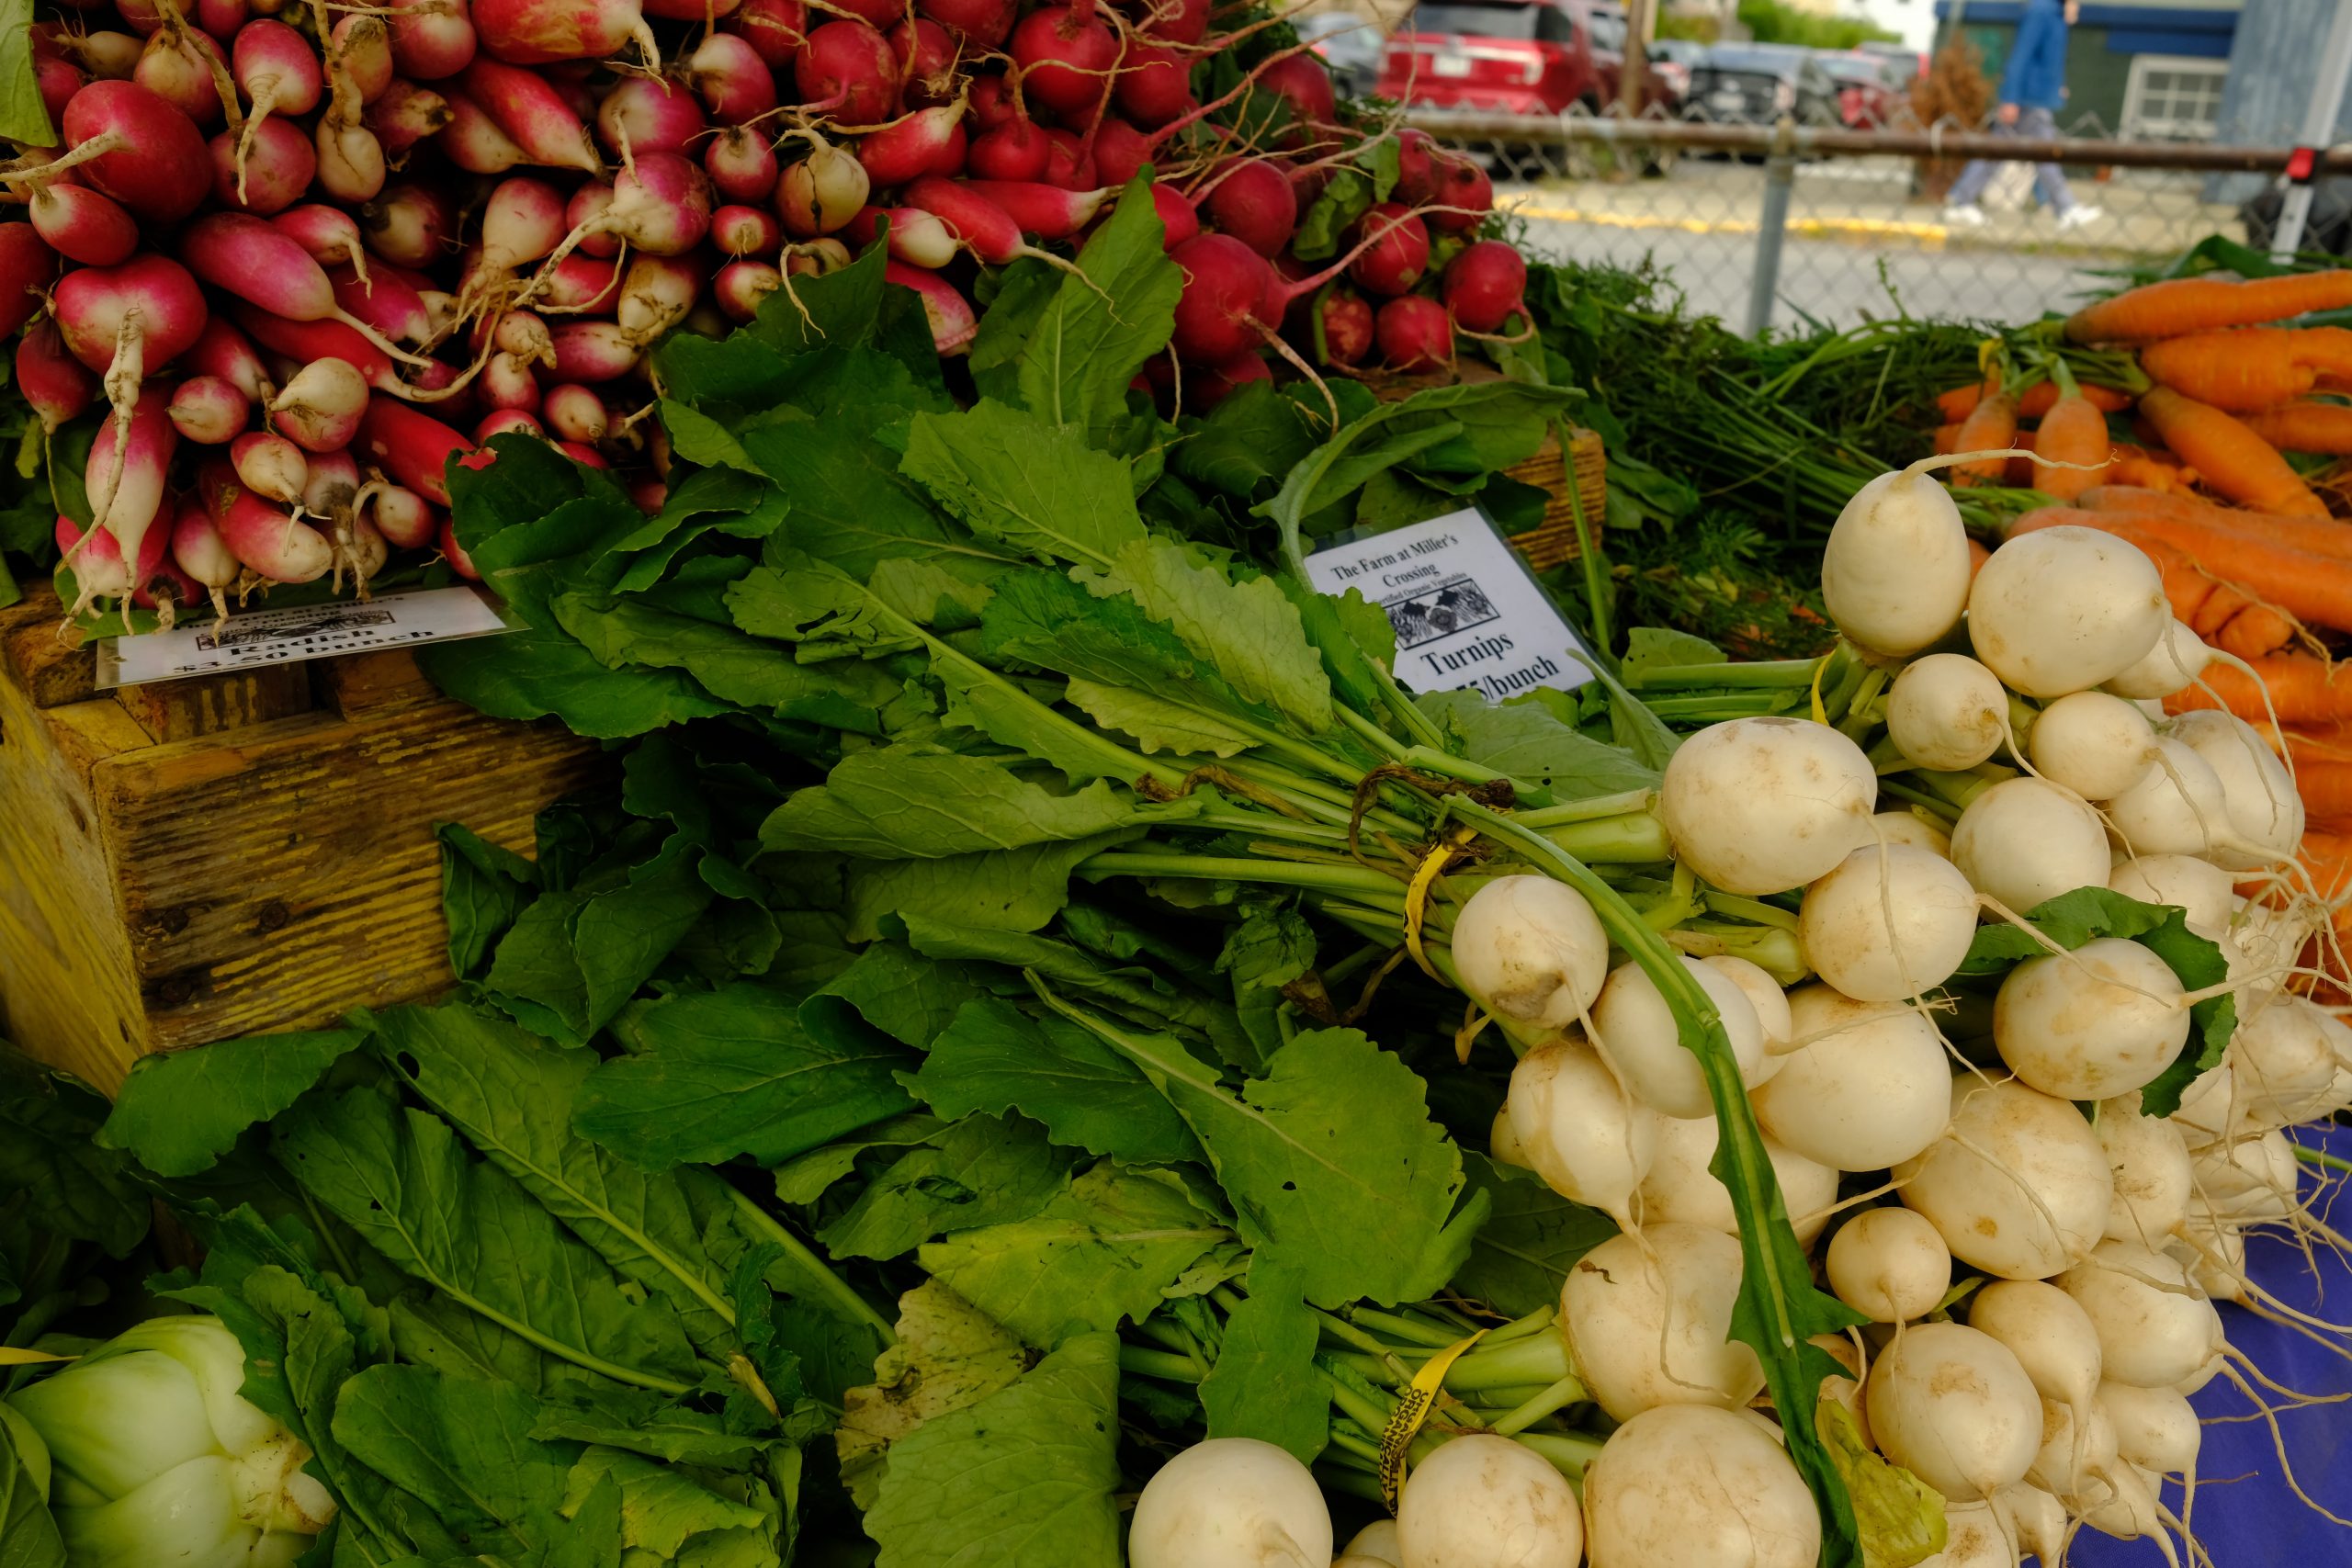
<point x="2245" y="1516"/>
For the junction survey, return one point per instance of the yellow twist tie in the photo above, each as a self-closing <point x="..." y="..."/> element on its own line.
<point x="1416" y="893"/>
<point x="1411" y="1411"/>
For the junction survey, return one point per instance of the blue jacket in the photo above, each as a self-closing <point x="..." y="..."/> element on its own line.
<point x="2036" y="78"/>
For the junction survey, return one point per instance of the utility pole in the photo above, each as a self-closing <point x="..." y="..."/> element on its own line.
<point x="2319" y="129"/>
<point x="1634" y="81"/>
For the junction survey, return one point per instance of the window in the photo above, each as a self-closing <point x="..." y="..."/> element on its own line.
<point x="2173" y="98"/>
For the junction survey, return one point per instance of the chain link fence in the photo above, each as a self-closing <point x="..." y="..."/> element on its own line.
<point x="1783" y="225"/>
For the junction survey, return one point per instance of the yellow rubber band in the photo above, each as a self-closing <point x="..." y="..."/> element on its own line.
<point x="1820" y="714"/>
<point x="1397" y="1437"/>
<point x="1417" y="895"/>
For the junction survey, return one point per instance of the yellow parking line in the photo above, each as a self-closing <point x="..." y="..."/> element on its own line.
<point x="1933" y="234"/>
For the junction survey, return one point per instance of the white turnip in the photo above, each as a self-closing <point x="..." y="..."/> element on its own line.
<point x="1947" y="712"/>
<point x="1759" y="806"/>
<point x="1691" y="1486"/>
<point x="1867" y="1088"/>
<point x="1952" y="1405"/>
<point x="2064" y="609"/>
<point x="2024" y="841"/>
<point x="1889" y="922"/>
<point x="2018" y="1185"/>
<point x="1647" y="1321"/>
<point x="1487" y="1502"/>
<point x="1230" y="1503"/>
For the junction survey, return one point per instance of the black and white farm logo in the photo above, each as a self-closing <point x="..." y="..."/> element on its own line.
<point x="1447" y="609"/>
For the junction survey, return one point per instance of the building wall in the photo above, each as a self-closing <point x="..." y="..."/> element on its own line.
<point x="2099" y="54"/>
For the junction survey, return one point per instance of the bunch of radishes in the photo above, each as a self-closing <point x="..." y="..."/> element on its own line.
<point x="337" y="246"/>
<point x="2036" y="1259"/>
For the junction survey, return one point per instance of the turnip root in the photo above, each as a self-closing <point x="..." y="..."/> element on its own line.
<point x="2155" y="1427"/>
<point x="2178" y="808"/>
<point x="1681" y="1189"/>
<point x="2173" y="665"/>
<point x="2200" y="890"/>
<point x="2258" y="796"/>
<point x="1483" y="1502"/>
<point x="2245" y="1180"/>
<point x="1947" y="712"/>
<point x="1888" y="923"/>
<point x="2149" y="1162"/>
<point x="1889" y="1265"/>
<point x="1647" y="1321"/>
<point x="1634" y="1032"/>
<point x="2017" y="1185"/>
<point x="1230" y="1503"/>
<point x="1691" y="1486"/>
<point x="1759" y="806"/>
<point x="1953" y="1407"/>
<point x="1530" y="951"/>
<point x="1895" y="574"/>
<point x="2024" y="841"/>
<point x="2049" y="1334"/>
<point x="2102" y="1021"/>
<point x="2155" y="1328"/>
<point x="1914" y="828"/>
<point x="1579" y="1129"/>
<point x="2065" y="609"/>
<point x="2093" y="743"/>
<point x="1867" y="1088"/>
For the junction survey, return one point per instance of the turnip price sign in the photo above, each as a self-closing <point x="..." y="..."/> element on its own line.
<point x="1467" y="614"/>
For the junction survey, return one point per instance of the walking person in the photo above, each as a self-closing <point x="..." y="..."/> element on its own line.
<point x="2032" y="88"/>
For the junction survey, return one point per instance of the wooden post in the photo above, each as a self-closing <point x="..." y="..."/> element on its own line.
<point x="1633" y="81"/>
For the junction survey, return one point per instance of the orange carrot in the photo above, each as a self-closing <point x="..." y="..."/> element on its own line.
<point x="2226" y="612"/>
<point x="2073" y="431"/>
<point x="2231" y="458"/>
<point x="2313" y="536"/>
<point x="2187" y="305"/>
<point x="2253" y="631"/>
<point x="2305" y="427"/>
<point x="2305" y="689"/>
<point x="2326" y="789"/>
<point x="2194" y="594"/>
<point x="2032" y="404"/>
<point x="1990" y="426"/>
<point x="2158" y="471"/>
<point x="1947" y="440"/>
<point x="2238" y="371"/>
<point x="1977" y="556"/>
<point x="2309" y="587"/>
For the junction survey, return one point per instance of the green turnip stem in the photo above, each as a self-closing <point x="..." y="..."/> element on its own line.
<point x="1636" y="838"/>
<point x="1347" y="1478"/>
<point x="1954" y="790"/>
<point x="2322" y="1158"/>
<point x="1860" y="714"/>
<point x="1565" y="1453"/>
<point x="1768" y="672"/>
<point x="1590" y="810"/>
<point x="1532" y="1362"/>
<point x="1715" y="708"/>
<point x="1405" y="1328"/>
<point x="1534" y="1322"/>
<point x="829" y="1287"/>
<point x="1380" y="740"/>
<point x="1566" y="1391"/>
<point x="1942" y="808"/>
<point x="1753" y="910"/>
<point x="1358" y="882"/>
<point x="1165" y="1365"/>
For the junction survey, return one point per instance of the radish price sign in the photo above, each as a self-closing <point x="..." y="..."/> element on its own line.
<point x="207" y="646"/>
<point x="1466" y="611"/>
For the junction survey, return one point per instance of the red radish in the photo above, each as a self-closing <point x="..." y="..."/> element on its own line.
<point x="329" y="235"/>
<point x="1483" y="286"/>
<point x="268" y="540"/>
<point x="579" y="284"/>
<point x="244" y="257"/>
<point x="1178" y="221"/>
<point x="1253" y="202"/>
<point x="221" y="349"/>
<point x="402" y="516"/>
<point x="278" y="71"/>
<point x="1414" y="334"/>
<point x="916" y="238"/>
<point x="928" y="141"/>
<point x="137" y="316"/>
<point x="411" y="224"/>
<point x="742" y="285"/>
<point x="541" y="32"/>
<point x="594" y="351"/>
<point x="524" y="221"/>
<point x="733" y="83"/>
<point x="476" y="142"/>
<point x="814" y="258"/>
<point x="572" y="413"/>
<point x="656" y="292"/>
<point x="846" y="71"/>
<point x="302" y="342"/>
<point x="527" y="107"/>
<point x="661" y="205"/>
<point x="1155" y="85"/>
<point x="431" y="38"/>
<point x="1066" y="55"/>
<point x="928" y="60"/>
<point x="821" y="192"/>
<point x="1465" y="196"/>
<point x="1177" y="21"/>
<point x="221" y="18"/>
<point x="1069" y="163"/>
<point x="741" y="165"/>
<point x="1015" y="150"/>
<point x="334" y="482"/>
<point x="197" y="549"/>
<point x="454" y="554"/>
<point x="774" y="29"/>
<point x="1047" y="211"/>
<point x="524" y="335"/>
<point x="385" y="302"/>
<point x="952" y="322"/>
<point x="1211" y="385"/>
<point x="270" y="466"/>
<point x="96" y="561"/>
<point x="1394" y="248"/>
<point x="208" y="410"/>
<point x="993" y="100"/>
<point x="360" y="48"/>
<point x="1343" y="325"/>
<point x="745" y="231"/>
<point x="412" y="448"/>
<point x="177" y="66"/>
<point x="82" y="225"/>
<point x="690" y="10"/>
<point x="589" y="203"/>
<point x="276" y="175"/>
<point x="57" y="81"/>
<point x="507" y="383"/>
<point x="405" y="115"/>
<point x="1120" y="152"/>
<point x="129" y="462"/>
<point x="648" y="114"/>
<point x="58" y="386"/>
<point x="1415" y="168"/>
<point x="319" y="407"/>
<point x="138" y="149"/>
<point x="502" y="422"/>
<point x="983" y="226"/>
<point x="985" y="24"/>
<point x="1233" y="299"/>
<point x="1303" y="82"/>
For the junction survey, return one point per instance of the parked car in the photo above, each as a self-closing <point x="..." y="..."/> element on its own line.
<point x="1909" y="62"/>
<point x="1868" y="92"/>
<point x="1527" y="57"/>
<point x="1349" y="44"/>
<point x="1671" y="60"/>
<point x="1756" y="83"/>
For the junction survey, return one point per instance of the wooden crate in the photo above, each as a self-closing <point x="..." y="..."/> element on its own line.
<point x="1557" y="539"/>
<point x="201" y="859"/>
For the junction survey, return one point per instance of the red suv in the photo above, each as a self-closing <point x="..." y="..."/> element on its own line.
<point x="1530" y="57"/>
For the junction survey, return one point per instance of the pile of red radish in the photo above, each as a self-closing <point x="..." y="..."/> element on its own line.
<point x="299" y="255"/>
